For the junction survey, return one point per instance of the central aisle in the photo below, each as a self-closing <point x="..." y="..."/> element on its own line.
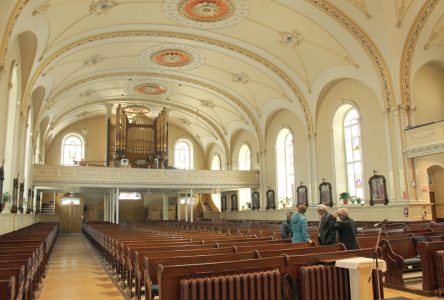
<point x="75" y="273"/>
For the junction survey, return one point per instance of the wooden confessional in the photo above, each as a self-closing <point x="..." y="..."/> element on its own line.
<point x="136" y="140"/>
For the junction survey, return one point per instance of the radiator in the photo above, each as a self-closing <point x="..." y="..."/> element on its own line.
<point x="249" y="286"/>
<point x="439" y="267"/>
<point x="324" y="283"/>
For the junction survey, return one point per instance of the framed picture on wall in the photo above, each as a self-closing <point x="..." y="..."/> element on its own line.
<point x="325" y="193"/>
<point x="234" y="202"/>
<point x="378" y="190"/>
<point x="302" y="193"/>
<point x="271" y="204"/>
<point x="223" y="203"/>
<point x="255" y="201"/>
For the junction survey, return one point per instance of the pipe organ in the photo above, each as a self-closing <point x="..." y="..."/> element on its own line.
<point x="138" y="135"/>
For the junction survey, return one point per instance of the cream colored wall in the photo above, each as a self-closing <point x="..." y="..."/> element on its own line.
<point x="422" y="164"/>
<point x="240" y="138"/>
<point x="428" y="93"/>
<point x="95" y="140"/>
<point x="374" y="148"/>
<point x="12" y="222"/>
<point x="174" y="134"/>
<point x="301" y="151"/>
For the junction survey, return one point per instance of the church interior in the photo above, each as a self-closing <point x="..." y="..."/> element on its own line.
<point x="129" y="129"/>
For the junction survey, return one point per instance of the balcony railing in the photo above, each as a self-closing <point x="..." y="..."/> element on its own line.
<point x="100" y="177"/>
<point x="424" y="140"/>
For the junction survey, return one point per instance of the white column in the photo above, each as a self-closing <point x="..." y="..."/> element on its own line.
<point x="191" y="205"/>
<point x="113" y="206"/>
<point x="34" y="201"/>
<point x="117" y="205"/>
<point x="178" y="206"/>
<point x="164" y="206"/>
<point x="360" y="269"/>
<point x="313" y="184"/>
<point x="105" y="207"/>
<point x="186" y="207"/>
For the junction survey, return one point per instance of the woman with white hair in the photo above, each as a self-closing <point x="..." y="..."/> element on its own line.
<point x="347" y="230"/>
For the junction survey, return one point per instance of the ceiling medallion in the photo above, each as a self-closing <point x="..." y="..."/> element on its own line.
<point x="206" y="13"/>
<point x="101" y="7"/>
<point x="240" y="78"/>
<point x="291" y="39"/>
<point x="172" y="57"/>
<point x="150" y="88"/>
<point x="92" y="61"/>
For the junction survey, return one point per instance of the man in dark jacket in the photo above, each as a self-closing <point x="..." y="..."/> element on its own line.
<point x="327" y="222"/>
<point x="285" y="229"/>
<point x="347" y="231"/>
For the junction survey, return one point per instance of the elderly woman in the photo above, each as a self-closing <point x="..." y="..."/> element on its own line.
<point x="327" y="222"/>
<point x="346" y="228"/>
<point x="299" y="226"/>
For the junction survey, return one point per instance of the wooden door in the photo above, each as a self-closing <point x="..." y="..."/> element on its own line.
<point x="433" y="207"/>
<point x="71" y="218"/>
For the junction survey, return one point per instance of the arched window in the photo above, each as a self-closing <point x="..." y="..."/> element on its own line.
<point x="216" y="165"/>
<point x="72" y="149"/>
<point x="285" y="168"/>
<point x="182" y="155"/>
<point x="244" y="163"/>
<point x="353" y="154"/>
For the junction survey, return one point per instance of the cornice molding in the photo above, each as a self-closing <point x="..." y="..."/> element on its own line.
<point x="366" y="43"/>
<point x="409" y="50"/>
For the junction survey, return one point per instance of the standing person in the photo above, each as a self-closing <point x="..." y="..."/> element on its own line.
<point x="285" y="228"/>
<point x="299" y="226"/>
<point x="327" y="222"/>
<point x="346" y="228"/>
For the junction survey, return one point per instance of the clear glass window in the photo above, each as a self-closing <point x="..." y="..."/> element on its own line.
<point x="72" y="150"/>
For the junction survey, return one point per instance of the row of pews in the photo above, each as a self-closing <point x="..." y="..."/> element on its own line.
<point x="24" y="256"/>
<point x="181" y="263"/>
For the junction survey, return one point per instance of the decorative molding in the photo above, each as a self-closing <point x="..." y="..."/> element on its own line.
<point x="241" y="78"/>
<point x="401" y="10"/>
<point x="424" y="140"/>
<point x="150" y="88"/>
<point x="366" y="43"/>
<point x="101" y="7"/>
<point x="206" y="14"/>
<point x="362" y="6"/>
<point x="58" y="176"/>
<point x="291" y="39"/>
<point x="172" y="57"/>
<point x="409" y="49"/>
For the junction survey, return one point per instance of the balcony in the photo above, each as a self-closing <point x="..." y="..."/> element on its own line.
<point x="424" y="139"/>
<point x="54" y="176"/>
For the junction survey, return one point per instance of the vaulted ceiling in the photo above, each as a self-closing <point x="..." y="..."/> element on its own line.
<point x="217" y="66"/>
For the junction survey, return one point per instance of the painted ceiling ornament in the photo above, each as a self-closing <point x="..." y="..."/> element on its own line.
<point x="291" y="39"/>
<point x="240" y="78"/>
<point x="172" y="57"/>
<point x="207" y="103"/>
<point x="150" y="88"/>
<point x="208" y="14"/>
<point x="101" y="7"/>
<point x="92" y="61"/>
<point x="184" y="121"/>
<point x="87" y="93"/>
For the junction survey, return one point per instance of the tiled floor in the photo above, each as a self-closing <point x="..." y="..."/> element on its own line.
<point x="75" y="273"/>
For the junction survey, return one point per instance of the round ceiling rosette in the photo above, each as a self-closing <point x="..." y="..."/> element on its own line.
<point x="172" y="57"/>
<point x="208" y="14"/>
<point x="150" y="88"/>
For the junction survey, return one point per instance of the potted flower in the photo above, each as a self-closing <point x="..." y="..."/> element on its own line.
<point x="6" y="198"/>
<point x="344" y="196"/>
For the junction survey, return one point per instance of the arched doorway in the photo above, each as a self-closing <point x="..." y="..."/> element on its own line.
<point x="435" y="175"/>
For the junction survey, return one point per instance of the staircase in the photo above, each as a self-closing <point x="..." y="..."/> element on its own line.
<point x="206" y="206"/>
<point x="48" y="208"/>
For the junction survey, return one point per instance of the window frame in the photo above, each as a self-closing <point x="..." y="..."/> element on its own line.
<point x="82" y="148"/>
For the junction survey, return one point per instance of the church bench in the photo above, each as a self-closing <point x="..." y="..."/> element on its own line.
<point x="29" y="275"/>
<point x="283" y="245"/>
<point x="370" y="241"/>
<point x="7" y="288"/>
<point x="400" y="255"/>
<point x="150" y="265"/>
<point x="430" y="265"/>
<point x="169" y="277"/>
<point x="19" y="284"/>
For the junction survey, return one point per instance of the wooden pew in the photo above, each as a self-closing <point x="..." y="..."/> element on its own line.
<point x="396" y="254"/>
<point x="19" y="276"/>
<point x="7" y="288"/>
<point x="427" y="252"/>
<point x="170" y="276"/>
